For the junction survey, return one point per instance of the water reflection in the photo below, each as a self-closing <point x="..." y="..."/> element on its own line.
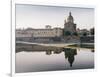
<point x="92" y="50"/>
<point x="53" y="58"/>
<point x="54" y="51"/>
<point x="70" y="53"/>
<point x="48" y="52"/>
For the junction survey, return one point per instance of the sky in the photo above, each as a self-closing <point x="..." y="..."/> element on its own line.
<point x="38" y="16"/>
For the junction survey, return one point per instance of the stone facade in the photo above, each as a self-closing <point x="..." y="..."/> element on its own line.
<point x="69" y="25"/>
<point x="55" y="32"/>
<point x="39" y="35"/>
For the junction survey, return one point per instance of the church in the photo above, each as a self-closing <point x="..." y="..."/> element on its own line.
<point x="69" y="25"/>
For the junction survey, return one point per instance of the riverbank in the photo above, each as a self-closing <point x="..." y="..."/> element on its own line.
<point x="83" y="45"/>
<point x="64" y="45"/>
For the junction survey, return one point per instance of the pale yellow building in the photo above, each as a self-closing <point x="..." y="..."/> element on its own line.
<point x="48" y="32"/>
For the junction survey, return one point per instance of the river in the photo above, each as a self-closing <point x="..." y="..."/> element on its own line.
<point x="34" y="58"/>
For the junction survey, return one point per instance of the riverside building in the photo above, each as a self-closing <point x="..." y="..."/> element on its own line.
<point x="47" y="34"/>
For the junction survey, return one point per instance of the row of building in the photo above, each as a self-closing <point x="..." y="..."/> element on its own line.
<point x="49" y="34"/>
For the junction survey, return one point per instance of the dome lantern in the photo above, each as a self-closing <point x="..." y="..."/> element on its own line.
<point x="70" y="18"/>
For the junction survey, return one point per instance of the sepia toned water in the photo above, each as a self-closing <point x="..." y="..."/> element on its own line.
<point x="33" y="58"/>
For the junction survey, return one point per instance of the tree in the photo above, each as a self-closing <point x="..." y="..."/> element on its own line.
<point x="67" y="33"/>
<point x="84" y="34"/>
<point x="92" y="31"/>
<point x="75" y="33"/>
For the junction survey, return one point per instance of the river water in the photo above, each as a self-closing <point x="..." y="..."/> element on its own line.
<point x="33" y="58"/>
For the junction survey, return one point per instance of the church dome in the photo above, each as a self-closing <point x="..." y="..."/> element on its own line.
<point x="70" y="18"/>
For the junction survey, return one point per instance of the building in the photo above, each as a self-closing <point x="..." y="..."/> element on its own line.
<point x="55" y="32"/>
<point x="85" y="35"/>
<point x="49" y="34"/>
<point x="69" y="25"/>
<point x="83" y="32"/>
<point x="23" y="33"/>
<point x="39" y="35"/>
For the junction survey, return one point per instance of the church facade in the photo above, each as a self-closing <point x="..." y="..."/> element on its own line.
<point x="69" y="25"/>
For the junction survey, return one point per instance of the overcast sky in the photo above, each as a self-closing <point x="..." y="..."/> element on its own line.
<point x="37" y="16"/>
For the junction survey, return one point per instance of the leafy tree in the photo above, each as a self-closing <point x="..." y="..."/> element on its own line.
<point x="84" y="34"/>
<point x="67" y="33"/>
<point x="92" y="31"/>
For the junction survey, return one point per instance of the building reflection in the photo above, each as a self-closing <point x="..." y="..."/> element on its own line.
<point x="54" y="51"/>
<point x="92" y="50"/>
<point x="48" y="52"/>
<point x="68" y="52"/>
<point x="70" y="55"/>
